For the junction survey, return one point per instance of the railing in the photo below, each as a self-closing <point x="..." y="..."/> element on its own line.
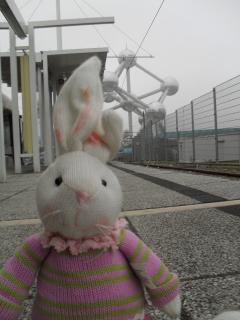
<point x="205" y="130"/>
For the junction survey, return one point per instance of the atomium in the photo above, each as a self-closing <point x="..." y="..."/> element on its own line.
<point x="154" y="112"/>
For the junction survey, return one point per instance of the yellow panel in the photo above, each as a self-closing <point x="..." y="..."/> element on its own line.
<point x="26" y="103"/>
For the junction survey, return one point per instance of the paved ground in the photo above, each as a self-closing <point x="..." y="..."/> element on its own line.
<point x="202" y="246"/>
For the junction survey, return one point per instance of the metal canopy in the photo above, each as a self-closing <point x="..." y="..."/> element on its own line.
<point x="14" y="17"/>
<point x="62" y="63"/>
<point x="71" y="22"/>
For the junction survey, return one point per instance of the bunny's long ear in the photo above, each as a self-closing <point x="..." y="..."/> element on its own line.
<point x="78" y="107"/>
<point x="104" y="143"/>
<point x="113" y="131"/>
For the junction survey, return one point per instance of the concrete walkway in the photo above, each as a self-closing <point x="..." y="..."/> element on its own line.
<point x="199" y="242"/>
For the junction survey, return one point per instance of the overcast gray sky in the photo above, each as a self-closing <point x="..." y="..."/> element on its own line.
<point x="195" y="41"/>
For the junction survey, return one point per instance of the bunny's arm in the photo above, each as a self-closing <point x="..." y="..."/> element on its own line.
<point x="162" y="285"/>
<point x="17" y="277"/>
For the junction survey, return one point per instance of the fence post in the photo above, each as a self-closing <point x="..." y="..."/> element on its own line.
<point x="165" y="140"/>
<point x="215" y="124"/>
<point x="132" y="142"/>
<point x="177" y="135"/>
<point x="144" y="137"/>
<point x="3" y="174"/>
<point x="151" y="137"/>
<point x="193" y="133"/>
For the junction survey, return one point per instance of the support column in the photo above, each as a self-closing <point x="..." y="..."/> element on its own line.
<point x="33" y="88"/>
<point x="130" y="121"/>
<point x="215" y="124"/>
<point x="48" y="155"/>
<point x="26" y="103"/>
<point x="177" y="132"/>
<point x="15" y="111"/>
<point x="54" y="85"/>
<point x="3" y="174"/>
<point x="165" y="140"/>
<point x="144" y="137"/>
<point x="40" y="103"/>
<point x="193" y="133"/>
<point x="59" y="29"/>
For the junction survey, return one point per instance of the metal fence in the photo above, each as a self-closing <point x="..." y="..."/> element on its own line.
<point x="205" y="130"/>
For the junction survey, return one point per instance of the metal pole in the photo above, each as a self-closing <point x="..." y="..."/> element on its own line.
<point x="193" y="133"/>
<point x="40" y="102"/>
<point x="165" y="140"/>
<point x="3" y="174"/>
<point x="54" y="86"/>
<point x="149" y="94"/>
<point x="149" y="73"/>
<point x="48" y="154"/>
<point x="33" y="89"/>
<point x="15" y="111"/>
<point x="163" y="96"/>
<point x="215" y="124"/>
<point x="144" y="136"/>
<point x="151" y="137"/>
<point x="130" y="121"/>
<point x="156" y="143"/>
<point x="177" y="132"/>
<point x="59" y="29"/>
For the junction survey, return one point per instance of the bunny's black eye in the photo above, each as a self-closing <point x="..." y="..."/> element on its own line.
<point x="58" y="181"/>
<point x="104" y="183"/>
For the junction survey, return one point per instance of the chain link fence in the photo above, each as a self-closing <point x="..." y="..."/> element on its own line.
<point x="205" y="130"/>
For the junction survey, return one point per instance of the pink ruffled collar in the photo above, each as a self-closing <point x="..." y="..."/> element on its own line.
<point x="109" y="240"/>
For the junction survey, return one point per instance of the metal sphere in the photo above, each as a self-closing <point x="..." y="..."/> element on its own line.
<point x="109" y="97"/>
<point x="156" y="112"/>
<point x="172" y="85"/>
<point x="110" y="81"/>
<point x="128" y="57"/>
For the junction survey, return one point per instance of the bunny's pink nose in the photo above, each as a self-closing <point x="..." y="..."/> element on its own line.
<point x="82" y="197"/>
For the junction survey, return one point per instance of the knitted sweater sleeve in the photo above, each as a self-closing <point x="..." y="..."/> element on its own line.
<point x="17" y="277"/>
<point x="162" y="285"/>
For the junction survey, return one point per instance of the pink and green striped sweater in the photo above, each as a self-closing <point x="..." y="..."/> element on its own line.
<point x="93" y="285"/>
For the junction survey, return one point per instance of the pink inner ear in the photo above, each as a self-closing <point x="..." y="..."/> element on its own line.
<point x="58" y="134"/>
<point x="81" y="119"/>
<point x="94" y="138"/>
<point x="86" y="95"/>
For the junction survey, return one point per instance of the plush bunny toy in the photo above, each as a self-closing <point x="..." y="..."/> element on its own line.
<point x="87" y="264"/>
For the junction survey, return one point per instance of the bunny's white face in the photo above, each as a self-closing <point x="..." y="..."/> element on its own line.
<point x="78" y="196"/>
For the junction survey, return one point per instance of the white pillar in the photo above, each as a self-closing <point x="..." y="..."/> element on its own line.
<point x="59" y="29"/>
<point x="48" y="154"/>
<point x="3" y="175"/>
<point x="33" y="89"/>
<point x="15" y="111"/>
<point x="40" y="102"/>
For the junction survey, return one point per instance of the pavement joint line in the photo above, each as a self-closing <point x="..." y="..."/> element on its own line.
<point x="210" y="276"/>
<point x="208" y="205"/>
<point x="15" y="194"/>
<point x="140" y="212"/>
<point x="193" y="193"/>
<point x="22" y="222"/>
